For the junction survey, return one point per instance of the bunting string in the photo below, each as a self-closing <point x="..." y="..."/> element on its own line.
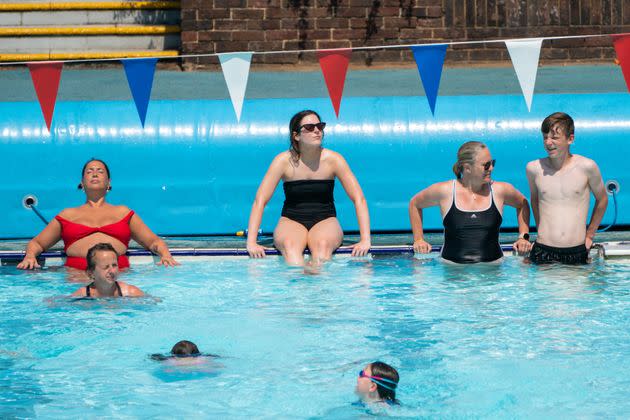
<point x="365" y="48"/>
<point x="524" y="54"/>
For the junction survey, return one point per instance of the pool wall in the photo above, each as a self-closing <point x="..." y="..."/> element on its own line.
<point x="194" y="169"/>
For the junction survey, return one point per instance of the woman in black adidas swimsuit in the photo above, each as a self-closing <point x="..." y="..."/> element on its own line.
<point x="472" y="208"/>
<point x="308" y="215"/>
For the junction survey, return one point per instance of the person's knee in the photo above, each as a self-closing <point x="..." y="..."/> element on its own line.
<point x="288" y="244"/>
<point x="323" y="246"/>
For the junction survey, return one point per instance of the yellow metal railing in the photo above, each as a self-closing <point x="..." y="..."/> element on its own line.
<point x="85" y="55"/>
<point x="89" y="30"/>
<point x="103" y="5"/>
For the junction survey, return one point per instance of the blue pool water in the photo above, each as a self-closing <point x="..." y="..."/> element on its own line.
<point x="503" y="341"/>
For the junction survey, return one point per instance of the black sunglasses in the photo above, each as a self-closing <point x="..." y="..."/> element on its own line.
<point x="489" y="163"/>
<point x="311" y="127"/>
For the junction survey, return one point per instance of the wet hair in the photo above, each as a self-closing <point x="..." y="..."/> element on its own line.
<point x="182" y="348"/>
<point x="385" y="371"/>
<point x="294" y="126"/>
<point x="185" y="348"/>
<point x="466" y="154"/>
<point x="560" y="120"/>
<point x="80" y="186"/>
<point x="103" y="246"/>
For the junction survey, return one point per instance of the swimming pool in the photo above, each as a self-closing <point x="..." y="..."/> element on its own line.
<point x="475" y="341"/>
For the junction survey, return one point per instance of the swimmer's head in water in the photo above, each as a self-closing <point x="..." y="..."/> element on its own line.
<point x="558" y="121"/>
<point x="182" y="348"/>
<point x="91" y="254"/>
<point x="389" y="380"/>
<point x="466" y="155"/>
<point x="86" y="167"/>
<point x="378" y="381"/>
<point x="185" y="348"/>
<point x="294" y="128"/>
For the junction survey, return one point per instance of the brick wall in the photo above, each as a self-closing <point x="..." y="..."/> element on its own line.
<point x="212" y="26"/>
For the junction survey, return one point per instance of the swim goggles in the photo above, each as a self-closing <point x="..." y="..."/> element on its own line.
<point x="379" y="381"/>
<point x="311" y="127"/>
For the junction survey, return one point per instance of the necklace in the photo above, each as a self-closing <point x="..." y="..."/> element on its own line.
<point x="472" y="191"/>
<point x="474" y="194"/>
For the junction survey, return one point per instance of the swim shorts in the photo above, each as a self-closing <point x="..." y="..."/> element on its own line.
<point x="543" y="254"/>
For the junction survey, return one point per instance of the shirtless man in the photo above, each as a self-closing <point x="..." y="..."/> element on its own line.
<point x="102" y="267"/>
<point x="560" y="186"/>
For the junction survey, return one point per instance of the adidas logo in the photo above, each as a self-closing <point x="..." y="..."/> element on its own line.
<point x="474" y="216"/>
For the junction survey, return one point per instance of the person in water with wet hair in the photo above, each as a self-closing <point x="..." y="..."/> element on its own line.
<point x="94" y="222"/>
<point x="309" y="217"/>
<point x="472" y="210"/>
<point x="184" y="353"/>
<point x="102" y="268"/>
<point x="377" y="382"/>
<point x="185" y="348"/>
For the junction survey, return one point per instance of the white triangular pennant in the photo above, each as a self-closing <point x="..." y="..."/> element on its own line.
<point x="235" y="68"/>
<point x="525" y="55"/>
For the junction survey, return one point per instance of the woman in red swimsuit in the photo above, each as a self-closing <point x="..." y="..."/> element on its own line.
<point x="94" y="222"/>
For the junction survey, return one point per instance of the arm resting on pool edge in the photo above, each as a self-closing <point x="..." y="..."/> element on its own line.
<point x="354" y="191"/>
<point x="533" y="191"/>
<point x="141" y="233"/>
<point x="513" y="197"/>
<point x="428" y="197"/>
<point x="263" y="195"/>
<point x="596" y="184"/>
<point x="46" y="238"/>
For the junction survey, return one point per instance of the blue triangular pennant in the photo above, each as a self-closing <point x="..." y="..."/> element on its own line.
<point x="140" y="78"/>
<point x="430" y="59"/>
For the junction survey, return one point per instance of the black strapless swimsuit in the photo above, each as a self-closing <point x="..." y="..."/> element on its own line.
<point x="309" y="201"/>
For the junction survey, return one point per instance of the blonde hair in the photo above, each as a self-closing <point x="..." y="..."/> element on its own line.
<point x="466" y="154"/>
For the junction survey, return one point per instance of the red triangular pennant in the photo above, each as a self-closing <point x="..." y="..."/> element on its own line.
<point x="334" y="64"/>
<point x="622" y="48"/>
<point x="45" y="78"/>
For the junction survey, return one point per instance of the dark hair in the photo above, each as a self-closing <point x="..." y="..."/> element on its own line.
<point x="559" y="119"/>
<point x="185" y="348"/>
<point x="294" y="126"/>
<point x="182" y="348"/>
<point x="385" y="371"/>
<point x="91" y="264"/>
<point x="80" y="186"/>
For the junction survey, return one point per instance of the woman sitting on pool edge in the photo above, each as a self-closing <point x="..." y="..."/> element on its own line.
<point x="308" y="215"/>
<point x="94" y="222"/>
<point x="471" y="208"/>
<point x="102" y="267"/>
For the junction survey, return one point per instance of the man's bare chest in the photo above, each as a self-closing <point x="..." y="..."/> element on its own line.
<point x="570" y="187"/>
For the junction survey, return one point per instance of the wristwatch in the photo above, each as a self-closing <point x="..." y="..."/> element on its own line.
<point x="524" y="236"/>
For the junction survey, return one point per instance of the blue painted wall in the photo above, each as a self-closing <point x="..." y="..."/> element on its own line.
<point x="195" y="170"/>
